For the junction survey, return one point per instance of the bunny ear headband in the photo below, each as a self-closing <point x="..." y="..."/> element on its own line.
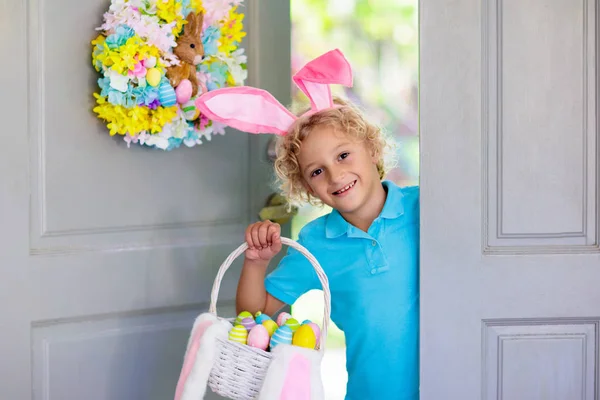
<point x="255" y="110"/>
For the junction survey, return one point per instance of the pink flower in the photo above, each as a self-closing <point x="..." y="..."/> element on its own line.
<point x="203" y="121"/>
<point x="138" y="70"/>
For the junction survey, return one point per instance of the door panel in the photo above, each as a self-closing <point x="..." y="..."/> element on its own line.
<point x="510" y="255"/>
<point x="107" y="254"/>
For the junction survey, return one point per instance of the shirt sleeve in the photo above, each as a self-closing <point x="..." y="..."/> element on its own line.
<point x="293" y="277"/>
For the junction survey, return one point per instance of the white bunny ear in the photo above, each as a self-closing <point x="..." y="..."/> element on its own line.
<point x="247" y="109"/>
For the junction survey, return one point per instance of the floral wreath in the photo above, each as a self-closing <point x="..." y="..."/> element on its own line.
<point x="156" y="57"/>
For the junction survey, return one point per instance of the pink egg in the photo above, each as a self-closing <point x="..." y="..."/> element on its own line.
<point x="183" y="91"/>
<point x="281" y="318"/>
<point x="316" y="330"/>
<point x="248" y="323"/>
<point x="259" y="337"/>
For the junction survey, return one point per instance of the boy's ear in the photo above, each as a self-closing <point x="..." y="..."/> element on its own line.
<point x="375" y="158"/>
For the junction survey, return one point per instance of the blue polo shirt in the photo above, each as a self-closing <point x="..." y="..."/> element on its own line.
<point x="374" y="282"/>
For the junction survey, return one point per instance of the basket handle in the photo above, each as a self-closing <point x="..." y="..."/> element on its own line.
<point x="291" y="243"/>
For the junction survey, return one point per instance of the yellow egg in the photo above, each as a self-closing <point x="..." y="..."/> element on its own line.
<point x="305" y="337"/>
<point x="238" y="334"/>
<point x="153" y="76"/>
<point x="271" y="326"/>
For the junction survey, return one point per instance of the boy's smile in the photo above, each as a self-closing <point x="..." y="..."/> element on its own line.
<point x="344" y="191"/>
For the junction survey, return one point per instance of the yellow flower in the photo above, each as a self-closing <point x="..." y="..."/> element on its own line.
<point x="197" y="6"/>
<point x="125" y="57"/>
<point x="230" y="80"/>
<point x="133" y="120"/>
<point x="169" y="11"/>
<point x="232" y="32"/>
<point x="98" y="44"/>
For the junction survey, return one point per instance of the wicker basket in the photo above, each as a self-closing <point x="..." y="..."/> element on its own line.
<point x="239" y="370"/>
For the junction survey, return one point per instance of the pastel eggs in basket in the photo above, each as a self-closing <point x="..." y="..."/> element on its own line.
<point x="261" y="332"/>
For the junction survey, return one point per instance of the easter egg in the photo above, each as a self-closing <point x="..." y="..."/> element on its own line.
<point x="248" y="323"/>
<point x="183" y="91"/>
<point x="166" y="96"/>
<point x="241" y="316"/>
<point x="153" y="76"/>
<point x="293" y="324"/>
<point x="305" y="337"/>
<point x="150" y="62"/>
<point x="190" y="111"/>
<point x="283" y="335"/>
<point x="238" y="334"/>
<point x="316" y="330"/>
<point x="282" y="318"/>
<point x="271" y="326"/>
<point x="262" y="318"/>
<point x="259" y="337"/>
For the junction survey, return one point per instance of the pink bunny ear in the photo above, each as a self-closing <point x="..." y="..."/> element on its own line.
<point x="297" y="379"/>
<point x="247" y="109"/>
<point x="316" y="76"/>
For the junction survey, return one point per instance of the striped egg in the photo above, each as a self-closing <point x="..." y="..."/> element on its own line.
<point x="241" y="316"/>
<point x="281" y="318"/>
<point x="283" y="335"/>
<point x="166" y="94"/>
<point x="293" y="324"/>
<point x="238" y="334"/>
<point x="248" y="323"/>
<point x="260" y="318"/>
<point x="189" y="110"/>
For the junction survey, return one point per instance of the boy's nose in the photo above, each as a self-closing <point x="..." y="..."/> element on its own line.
<point x="337" y="176"/>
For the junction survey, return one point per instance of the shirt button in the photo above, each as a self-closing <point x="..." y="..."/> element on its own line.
<point x="373" y="271"/>
<point x="374" y="243"/>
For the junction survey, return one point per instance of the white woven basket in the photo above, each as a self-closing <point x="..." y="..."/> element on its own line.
<point x="239" y="370"/>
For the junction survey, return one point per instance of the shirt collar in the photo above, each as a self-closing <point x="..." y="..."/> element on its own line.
<point x="336" y="225"/>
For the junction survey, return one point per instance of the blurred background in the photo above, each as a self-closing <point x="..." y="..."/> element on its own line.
<point x="380" y="39"/>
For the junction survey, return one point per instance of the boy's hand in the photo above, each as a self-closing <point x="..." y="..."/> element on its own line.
<point x="264" y="241"/>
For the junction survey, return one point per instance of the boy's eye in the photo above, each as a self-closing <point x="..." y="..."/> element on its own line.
<point x="344" y="155"/>
<point x="316" y="172"/>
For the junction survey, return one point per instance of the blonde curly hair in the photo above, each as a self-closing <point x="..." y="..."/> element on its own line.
<point x="348" y="119"/>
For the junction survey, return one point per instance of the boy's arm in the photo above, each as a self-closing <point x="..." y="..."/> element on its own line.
<point x="251" y="293"/>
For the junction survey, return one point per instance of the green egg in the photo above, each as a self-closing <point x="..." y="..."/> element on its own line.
<point x="243" y="314"/>
<point x="293" y="324"/>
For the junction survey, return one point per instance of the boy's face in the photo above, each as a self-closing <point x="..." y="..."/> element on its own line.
<point x="338" y="169"/>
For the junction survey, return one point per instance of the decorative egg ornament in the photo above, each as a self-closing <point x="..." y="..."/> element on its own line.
<point x="305" y="337"/>
<point x="271" y="326"/>
<point x="259" y="337"/>
<point x="292" y="323"/>
<point x="241" y="316"/>
<point x="283" y="335"/>
<point x="281" y="318"/>
<point x="238" y="334"/>
<point x="248" y="323"/>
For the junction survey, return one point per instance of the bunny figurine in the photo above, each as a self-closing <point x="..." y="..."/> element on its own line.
<point x="190" y="52"/>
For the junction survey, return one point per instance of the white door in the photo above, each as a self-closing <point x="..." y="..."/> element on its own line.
<point x="108" y="254"/>
<point x="510" y="262"/>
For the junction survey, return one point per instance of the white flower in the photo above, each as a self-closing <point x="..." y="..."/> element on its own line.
<point x="118" y="81"/>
